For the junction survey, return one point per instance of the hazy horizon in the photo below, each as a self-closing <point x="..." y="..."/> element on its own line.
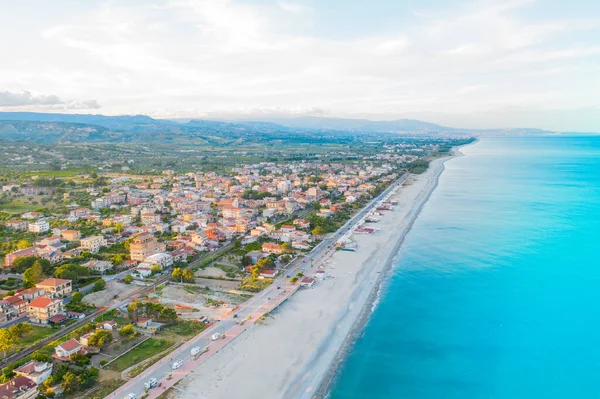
<point x="468" y="64"/>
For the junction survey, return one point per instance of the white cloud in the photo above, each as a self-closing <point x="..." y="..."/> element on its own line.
<point x="294" y="7"/>
<point x="26" y="98"/>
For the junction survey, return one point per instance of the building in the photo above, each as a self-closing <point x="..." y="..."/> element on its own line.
<point x="307" y="282"/>
<point x="271" y="248"/>
<point x="18" y="303"/>
<point x="100" y="266"/>
<point x="7" y="311"/>
<point x="67" y="349"/>
<point x="145" y="245"/>
<point x="109" y="325"/>
<point x="162" y="259"/>
<point x="17" y="224"/>
<point x="20" y="387"/>
<point x="32" y="293"/>
<point x="268" y="274"/>
<point x="71" y="235"/>
<point x="93" y="243"/>
<point x="56" y="287"/>
<point x="39" y="226"/>
<point x="40" y="310"/>
<point x="36" y="371"/>
<point x="21" y="253"/>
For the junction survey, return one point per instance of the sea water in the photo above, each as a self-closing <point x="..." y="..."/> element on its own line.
<point x="496" y="290"/>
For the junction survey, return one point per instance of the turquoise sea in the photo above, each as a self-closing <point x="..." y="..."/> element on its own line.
<point x="496" y="290"/>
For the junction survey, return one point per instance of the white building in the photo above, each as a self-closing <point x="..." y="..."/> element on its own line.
<point x="162" y="259"/>
<point x="40" y="226"/>
<point x="93" y="243"/>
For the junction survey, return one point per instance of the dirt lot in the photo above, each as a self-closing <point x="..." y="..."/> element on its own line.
<point x="218" y="284"/>
<point x="200" y="301"/>
<point x="210" y="272"/>
<point x="113" y="292"/>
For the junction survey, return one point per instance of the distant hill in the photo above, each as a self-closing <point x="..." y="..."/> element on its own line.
<point x="359" y="125"/>
<point x="74" y="128"/>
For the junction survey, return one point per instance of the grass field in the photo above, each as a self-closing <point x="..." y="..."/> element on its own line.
<point x="185" y="328"/>
<point x="145" y="350"/>
<point x="37" y="334"/>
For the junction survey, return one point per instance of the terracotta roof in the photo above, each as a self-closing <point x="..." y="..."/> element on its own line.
<point x="70" y="345"/>
<point x="41" y="302"/>
<point x="53" y="282"/>
<point x="57" y="318"/>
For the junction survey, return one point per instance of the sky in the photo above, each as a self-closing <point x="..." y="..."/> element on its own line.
<point x="461" y="63"/>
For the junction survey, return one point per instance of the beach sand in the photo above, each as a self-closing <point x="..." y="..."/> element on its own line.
<point x="294" y="353"/>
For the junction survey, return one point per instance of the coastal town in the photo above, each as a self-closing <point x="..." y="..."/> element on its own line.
<point x="105" y="273"/>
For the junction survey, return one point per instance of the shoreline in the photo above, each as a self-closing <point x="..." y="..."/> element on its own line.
<point x="329" y="380"/>
<point x="299" y="353"/>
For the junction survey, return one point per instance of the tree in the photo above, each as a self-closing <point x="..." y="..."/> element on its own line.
<point x="22" y="264"/>
<point x="119" y="227"/>
<point x="155" y="269"/>
<point x="93" y="175"/>
<point x="133" y="310"/>
<point x="71" y="272"/>
<point x="33" y="275"/>
<point x="128" y="279"/>
<point x="41" y="357"/>
<point x="177" y="274"/>
<point x="23" y="244"/>
<point x="76" y="297"/>
<point x="100" y="338"/>
<point x="7" y="341"/>
<point x="286" y="247"/>
<point x="69" y="383"/>
<point x="317" y="231"/>
<point x="188" y="276"/>
<point x="168" y="315"/>
<point x="20" y="329"/>
<point x="99" y="285"/>
<point x="127" y="330"/>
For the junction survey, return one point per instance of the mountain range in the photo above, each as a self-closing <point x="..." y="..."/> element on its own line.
<point x="72" y="128"/>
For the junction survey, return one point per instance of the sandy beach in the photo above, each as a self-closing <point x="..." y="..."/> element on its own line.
<point x="295" y="351"/>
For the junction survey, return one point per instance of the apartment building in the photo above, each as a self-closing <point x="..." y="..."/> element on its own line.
<point x="145" y="245"/>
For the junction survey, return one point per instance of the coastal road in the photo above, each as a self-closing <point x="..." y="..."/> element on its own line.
<point x="229" y="327"/>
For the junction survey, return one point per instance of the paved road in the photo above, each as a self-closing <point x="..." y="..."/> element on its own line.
<point x="249" y="312"/>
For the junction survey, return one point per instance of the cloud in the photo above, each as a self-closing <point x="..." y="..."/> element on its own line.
<point x="294" y="7"/>
<point x="26" y="98"/>
<point x="9" y="99"/>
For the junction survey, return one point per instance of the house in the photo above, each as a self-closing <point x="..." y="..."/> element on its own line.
<point x="85" y="339"/>
<point x="30" y="294"/>
<point x="17" y="224"/>
<point x="307" y="282"/>
<point x="18" y="303"/>
<point x="109" y="325"/>
<point x="21" y="253"/>
<point x="67" y="349"/>
<point x="71" y="235"/>
<point x="41" y="309"/>
<point x="75" y="315"/>
<point x="300" y="245"/>
<point x="100" y="266"/>
<point x="38" y="227"/>
<point x="36" y="371"/>
<point x="255" y="256"/>
<point x="7" y="311"/>
<point x="93" y="243"/>
<point x="56" y="287"/>
<point x="149" y="324"/>
<point x="286" y="228"/>
<point x="271" y="248"/>
<point x="20" y="387"/>
<point x="163" y="260"/>
<point x="320" y="275"/>
<point x="268" y="274"/>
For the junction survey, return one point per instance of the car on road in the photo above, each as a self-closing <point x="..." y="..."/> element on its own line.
<point x="278" y="288"/>
<point x="131" y="396"/>
<point x="151" y="383"/>
<point x="177" y="364"/>
<point x="195" y="350"/>
<point x="216" y="336"/>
